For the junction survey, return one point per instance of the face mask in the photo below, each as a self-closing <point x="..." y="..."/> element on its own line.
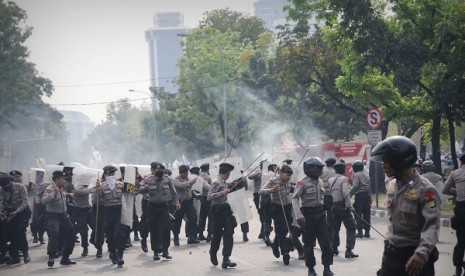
<point x="111" y="182"/>
<point x="159" y="174"/>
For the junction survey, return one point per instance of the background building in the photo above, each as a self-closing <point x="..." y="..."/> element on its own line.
<point x="165" y="50"/>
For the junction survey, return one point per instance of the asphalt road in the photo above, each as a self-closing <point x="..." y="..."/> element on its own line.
<point x="253" y="258"/>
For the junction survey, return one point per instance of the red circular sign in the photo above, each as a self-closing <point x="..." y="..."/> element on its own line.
<point x="374" y="118"/>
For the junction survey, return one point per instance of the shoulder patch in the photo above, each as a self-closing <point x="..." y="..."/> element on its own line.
<point x="298" y="184"/>
<point x="430" y="197"/>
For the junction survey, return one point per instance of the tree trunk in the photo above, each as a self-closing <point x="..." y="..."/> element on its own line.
<point x="422" y="146"/>
<point x="453" y="150"/>
<point x="436" y="142"/>
<point x="384" y="129"/>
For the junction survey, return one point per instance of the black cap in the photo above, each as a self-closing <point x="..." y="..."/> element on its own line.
<point x="225" y="167"/>
<point x="271" y="167"/>
<point x="286" y="169"/>
<point x="57" y="174"/>
<point x="183" y="168"/>
<point x="4" y="180"/>
<point x="205" y="167"/>
<point x="15" y="173"/>
<point x="194" y="170"/>
<point x="288" y="161"/>
<point x="109" y="169"/>
<point x="330" y="161"/>
<point x="155" y="165"/>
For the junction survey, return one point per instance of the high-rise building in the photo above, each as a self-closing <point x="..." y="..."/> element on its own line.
<point x="165" y="50"/>
<point x="270" y="11"/>
<point x="79" y="126"/>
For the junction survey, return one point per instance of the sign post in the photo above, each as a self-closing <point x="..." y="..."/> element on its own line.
<point x="374" y="119"/>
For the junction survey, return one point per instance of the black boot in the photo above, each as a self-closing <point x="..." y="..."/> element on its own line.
<point x="155" y="256"/>
<point x="327" y="271"/>
<point x="349" y="254"/>
<point x="244" y="237"/>
<point x="26" y="257"/>
<point x="192" y="240"/>
<point x="201" y="237"/>
<point x="208" y="238"/>
<point x="227" y="263"/>
<point x="136" y="237"/>
<point x="301" y="254"/>
<point x="458" y="271"/>
<point x="312" y="272"/>
<point x="286" y="258"/>
<point x="13" y="261"/>
<point x="367" y="233"/>
<point x="359" y="234"/>
<point x="41" y="239"/>
<point x="99" y="253"/>
<point x="85" y="252"/>
<point x="335" y="251"/>
<point x="267" y="240"/>
<point x="166" y="255"/>
<point x="66" y="261"/>
<point x="120" y="258"/>
<point x="35" y="239"/>
<point x="275" y="248"/>
<point x="176" y="240"/>
<point x="143" y="244"/>
<point x="213" y="258"/>
<point x="114" y="257"/>
<point x="51" y="261"/>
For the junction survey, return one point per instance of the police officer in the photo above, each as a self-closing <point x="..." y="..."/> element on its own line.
<point x="111" y="191"/>
<point x="342" y="210"/>
<point x="256" y="177"/>
<point x="224" y="221"/>
<point x="428" y="172"/>
<point x="279" y="188"/>
<point x="328" y="172"/>
<point x="38" y="210"/>
<point x="455" y="186"/>
<point x="14" y="210"/>
<point x="265" y="202"/>
<point x="205" y="204"/>
<point x="58" y="220"/>
<point x="83" y="214"/>
<point x="162" y="194"/>
<point x="414" y="215"/>
<point x="98" y="212"/>
<point x="308" y="201"/>
<point x="143" y="227"/>
<point x="183" y="187"/>
<point x="361" y="188"/>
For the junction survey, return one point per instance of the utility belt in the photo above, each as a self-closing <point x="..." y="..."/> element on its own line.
<point x="312" y="211"/>
<point x="158" y="204"/>
<point x="363" y="194"/>
<point x="59" y="216"/>
<point x="407" y="251"/>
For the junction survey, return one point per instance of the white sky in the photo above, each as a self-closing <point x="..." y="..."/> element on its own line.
<point x="80" y="42"/>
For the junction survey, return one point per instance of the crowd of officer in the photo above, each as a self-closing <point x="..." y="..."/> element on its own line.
<point x="313" y="208"/>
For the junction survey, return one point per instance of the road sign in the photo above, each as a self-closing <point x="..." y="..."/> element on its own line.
<point x="374" y="118"/>
<point x="374" y="137"/>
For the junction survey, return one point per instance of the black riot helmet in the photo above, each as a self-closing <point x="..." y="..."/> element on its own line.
<point x="427" y="166"/>
<point x="399" y="151"/>
<point x="340" y="168"/>
<point x="357" y="166"/>
<point x="313" y="167"/>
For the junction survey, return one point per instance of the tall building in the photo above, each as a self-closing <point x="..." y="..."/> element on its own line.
<point x="79" y="126"/>
<point x="165" y="50"/>
<point x="270" y="11"/>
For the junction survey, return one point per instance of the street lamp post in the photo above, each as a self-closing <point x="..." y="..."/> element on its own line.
<point x="224" y="86"/>
<point x="153" y="111"/>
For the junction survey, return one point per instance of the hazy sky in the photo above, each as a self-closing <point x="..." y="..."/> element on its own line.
<point x="82" y="44"/>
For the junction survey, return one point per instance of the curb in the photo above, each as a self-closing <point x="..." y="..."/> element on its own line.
<point x="445" y="222"/>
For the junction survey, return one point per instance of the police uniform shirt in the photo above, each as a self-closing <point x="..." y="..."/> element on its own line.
<point x="283" y="196"/>
<point x="256" y="176"/>
<point x="328" y="173"/>
<point x="81" y="196"/>
<point x="308" y="193"/>
<point x="361" y="183"/>
<point x="183" y="188"/>
<point x="160" y="190"/>
<point x="207" y="179"/>
<point x="414" y="215"/>
<point x="40" y="192"/>
<point x="215" y="195"/>
<point x="456" y="180"/>
<point x="340" y="190"/>
<point x="15" y="199"/>
<point x="434" y="178"/>
<point x="54" y="202"/>
<point x="112" y="197"/>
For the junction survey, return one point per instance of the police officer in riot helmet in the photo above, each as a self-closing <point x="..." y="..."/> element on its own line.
<point x="361" y="188"/>
<point x="413" y="210"/>
<point x="307" y="201"/>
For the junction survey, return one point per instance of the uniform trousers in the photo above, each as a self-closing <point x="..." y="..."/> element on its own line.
<point x="282" y="224"/>
<point x="223" y="227"/>
<point x="362" y="206"/>
<point x="187" y="209"/>
<point x="459" y="226"/>
<point x="340" y="214"/>
<point x="116" y="237"/>
<point x="84" y="220"/>
<point x="316" y="227"/>
<point x="60" y="223"/>
<point x="158" y="224"/>
<point x="16" y="233"/>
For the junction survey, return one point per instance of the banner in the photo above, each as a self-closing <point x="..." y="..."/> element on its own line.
<point x="240" y="206"/>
